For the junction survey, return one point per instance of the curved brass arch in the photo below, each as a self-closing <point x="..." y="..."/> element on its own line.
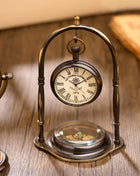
<point x="116" y="101"/>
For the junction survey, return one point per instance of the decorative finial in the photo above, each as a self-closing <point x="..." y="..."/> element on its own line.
<point x="76" y="20"/>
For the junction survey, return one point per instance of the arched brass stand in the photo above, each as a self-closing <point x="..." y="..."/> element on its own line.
<point x="43" y="142"/>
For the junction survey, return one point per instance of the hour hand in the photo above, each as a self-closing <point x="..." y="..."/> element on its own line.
<point x="71" y="82"/>
<point x="80" y="88"/>
<point x="72" y="88"/>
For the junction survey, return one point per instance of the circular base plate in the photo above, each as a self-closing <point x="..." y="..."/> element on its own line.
<point x="79" y="140"/>
<point x="70" y="151"/>
<point x="2" y="160"/>
<point x="77" y="153"/>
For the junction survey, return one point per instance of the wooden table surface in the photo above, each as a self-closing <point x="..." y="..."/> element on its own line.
<point x="19" y="50"/>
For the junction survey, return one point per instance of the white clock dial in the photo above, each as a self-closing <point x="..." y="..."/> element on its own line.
<point x="75" y="85"/>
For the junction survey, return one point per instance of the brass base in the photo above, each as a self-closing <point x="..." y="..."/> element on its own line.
<point x="107" y="148"/>
<point x="2" y="160"/>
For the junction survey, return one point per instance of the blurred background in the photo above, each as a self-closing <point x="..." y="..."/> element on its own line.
<point x="18" y="13"/>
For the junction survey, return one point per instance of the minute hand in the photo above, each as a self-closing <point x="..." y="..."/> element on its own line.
<point x="81" y="82"/>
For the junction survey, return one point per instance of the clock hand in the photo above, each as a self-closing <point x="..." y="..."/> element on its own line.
<point x="72" y="88"/>
<point x="77" y="88"/>
<point x="81" y="82"/>
<point x="72" y="82"/>
<point x="80" y="88"/>
<point x="75" y="84"/>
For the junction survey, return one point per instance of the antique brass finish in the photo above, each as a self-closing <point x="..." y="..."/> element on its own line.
<point x="48" y="146"/>
<point x="2" y="160"/>
<point x="79" y="64"/>
<point x="78" y="152"/>
<point x="3" y="84"/>
<point x="4" y="81"/>
<point x="76" y="42"/>
<point x="77" y="20"/>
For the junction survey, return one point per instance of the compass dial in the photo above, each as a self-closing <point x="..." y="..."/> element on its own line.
<point x="75" y="85"/>
<point x="79" y="133"/>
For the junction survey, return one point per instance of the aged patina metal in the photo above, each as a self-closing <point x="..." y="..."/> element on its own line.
<point x="76" y="42"/>
<point x="48" y="143"/>
<point x="3" y="84"/>
<point x="77" y="64"/>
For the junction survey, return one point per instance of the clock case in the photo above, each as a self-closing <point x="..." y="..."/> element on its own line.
<point x="81" y="64"/>
<point x="113" y="142"/>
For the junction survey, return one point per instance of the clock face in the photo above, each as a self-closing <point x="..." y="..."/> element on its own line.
<point x="75" y="85"/>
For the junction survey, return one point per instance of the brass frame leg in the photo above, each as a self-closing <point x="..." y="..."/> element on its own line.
<point x="2" y="160"/>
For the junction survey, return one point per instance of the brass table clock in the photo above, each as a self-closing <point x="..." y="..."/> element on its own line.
<point x="3" y="84"/>
<point x="76" y="83"/>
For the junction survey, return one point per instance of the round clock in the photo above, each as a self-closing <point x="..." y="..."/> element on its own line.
<point x="76" y="83"/>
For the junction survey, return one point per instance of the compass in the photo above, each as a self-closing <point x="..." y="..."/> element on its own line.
<point x="77" y="83"/>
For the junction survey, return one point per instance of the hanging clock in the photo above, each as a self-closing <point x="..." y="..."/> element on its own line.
<point x="76" y="83"/>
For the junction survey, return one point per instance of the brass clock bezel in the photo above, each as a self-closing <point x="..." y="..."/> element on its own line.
<point x="80" y="64"/>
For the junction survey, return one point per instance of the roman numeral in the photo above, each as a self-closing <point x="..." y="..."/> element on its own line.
<point x="68" y="72"/>
<point x="76" y="69"/>
<point x="75" y="98"/>
<point x="92" y="84"/>
<point x="67" y="97"/>
<point x="84" y="97"/>
<point x="89" y="77"/>
<point x="89" y="91"/>
<point x="62" y="90"/>
<point x="83" y="72"/>
<point x="62" y="76"/>
<point x="59" y="83"/>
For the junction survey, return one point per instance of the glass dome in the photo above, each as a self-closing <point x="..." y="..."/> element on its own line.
<point x="79" y="134"/>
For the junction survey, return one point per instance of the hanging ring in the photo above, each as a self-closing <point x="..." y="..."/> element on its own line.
<point x="76" y="42"/>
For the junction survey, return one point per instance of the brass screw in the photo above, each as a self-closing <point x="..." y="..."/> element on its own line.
<point x="76" y="20"/>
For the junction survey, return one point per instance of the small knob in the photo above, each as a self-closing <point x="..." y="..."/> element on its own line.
<point x="76" y="20"/>
<point x="75" y="49"/>
<point x="7" y="76"/>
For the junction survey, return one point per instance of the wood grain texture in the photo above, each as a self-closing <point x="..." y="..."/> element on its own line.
<point x="19" y="49"/>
